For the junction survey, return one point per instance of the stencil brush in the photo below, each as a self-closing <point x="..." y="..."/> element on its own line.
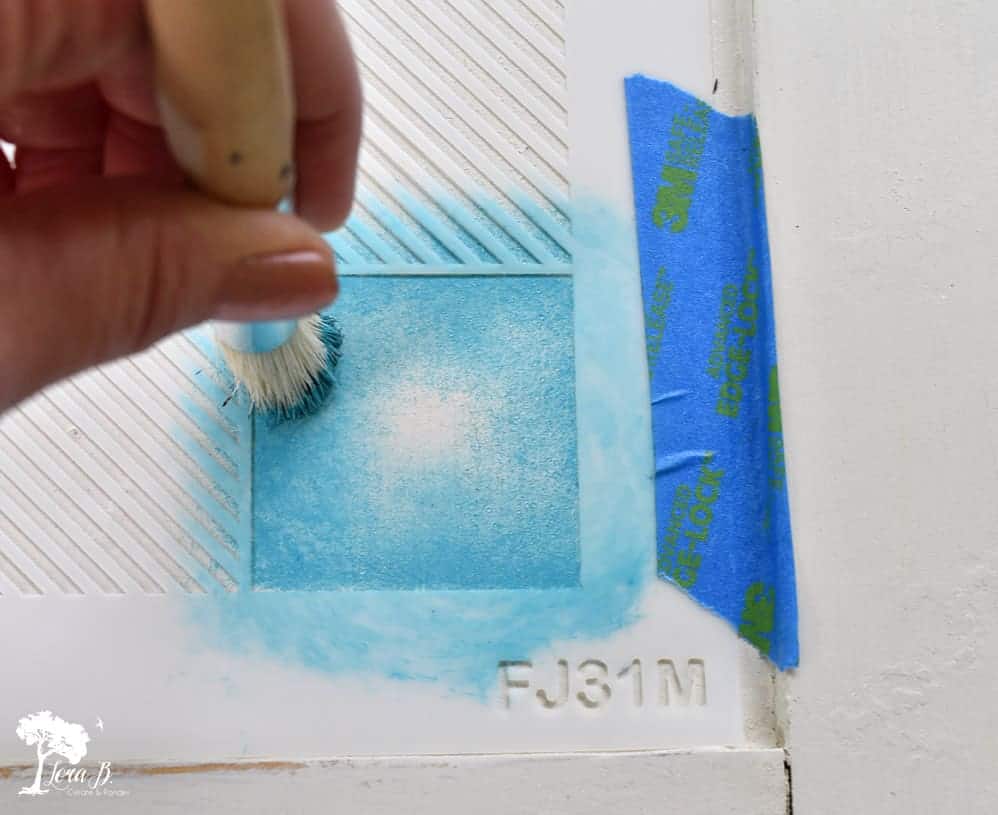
<point x="225" y="97"/>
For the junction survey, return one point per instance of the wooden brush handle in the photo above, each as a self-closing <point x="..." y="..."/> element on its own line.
<point x="225" y="95"/>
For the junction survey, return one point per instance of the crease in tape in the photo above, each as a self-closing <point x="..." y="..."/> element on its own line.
<point x="722" y="515"/>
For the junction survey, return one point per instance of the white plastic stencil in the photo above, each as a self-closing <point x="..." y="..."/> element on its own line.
<point x="465" y="158"/>
<point x="184" y="576"/>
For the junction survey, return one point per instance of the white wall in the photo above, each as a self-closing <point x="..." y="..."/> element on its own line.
<point x="879" y="125"/>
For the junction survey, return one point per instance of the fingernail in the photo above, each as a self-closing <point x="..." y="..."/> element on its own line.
<point x="278" y="286"/>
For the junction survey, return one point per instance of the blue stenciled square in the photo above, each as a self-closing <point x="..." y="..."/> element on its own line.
<point x="447" y="456"/>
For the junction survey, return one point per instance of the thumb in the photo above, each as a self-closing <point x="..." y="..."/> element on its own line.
<point x="114" y="266"/>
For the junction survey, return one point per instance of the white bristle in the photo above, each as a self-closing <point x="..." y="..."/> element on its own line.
<point x="280" y="380"/>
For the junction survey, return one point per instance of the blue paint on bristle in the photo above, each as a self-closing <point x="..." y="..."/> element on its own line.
<point x="322" y="384"/>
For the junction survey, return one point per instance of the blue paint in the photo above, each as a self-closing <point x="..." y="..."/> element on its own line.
<point x="220" y="492"/>
<point x="721" y="493"/>
<point x="374" y="238"/>
<point x="320" y="386"/>
<point x="348" y="243"/>
<point x="217" y="479"/>
<point x="214" y="392"/>
<point x="455" y="639"/>
<point x="441" y="232"/>
<point x="438" y="234"/>
<point x="344" y="251"/>
<point x="509" y="230"/>
<point x="409" y="238"/>
<point x="549" y="227"/>
<point x="261" y="336"/>
<point x="472" y="237"/>
<point x="446" y="459"/>
<point x="220" y="526"/>
<point x="216" y="511"/>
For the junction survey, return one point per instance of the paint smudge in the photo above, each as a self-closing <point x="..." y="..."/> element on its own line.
<point x="447" y="457"/>
<point x="456" y="638"/>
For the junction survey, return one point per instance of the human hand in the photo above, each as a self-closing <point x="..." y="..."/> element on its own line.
<point x="103" y="248"/>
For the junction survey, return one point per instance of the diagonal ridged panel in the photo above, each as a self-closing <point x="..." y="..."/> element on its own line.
<point x="130" y="478"/>
<point x="135" y="478"/>
<point x="465" y="151"/>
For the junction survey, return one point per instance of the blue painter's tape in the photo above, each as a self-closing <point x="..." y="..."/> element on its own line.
<point x="723" y="523"/>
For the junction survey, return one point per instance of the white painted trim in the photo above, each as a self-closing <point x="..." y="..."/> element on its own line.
<point x="698" y="782"/>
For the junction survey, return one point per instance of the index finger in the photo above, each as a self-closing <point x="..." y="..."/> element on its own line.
<point x="328" y="95"/>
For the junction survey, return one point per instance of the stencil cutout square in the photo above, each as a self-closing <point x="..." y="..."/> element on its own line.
<point x="448" y="455"/>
